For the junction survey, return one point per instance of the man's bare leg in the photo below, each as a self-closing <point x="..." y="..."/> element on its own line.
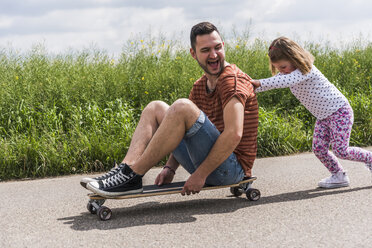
<point x="157" y="134"/>
<point x="150" y="120"/>
<point x="180" y="117"/>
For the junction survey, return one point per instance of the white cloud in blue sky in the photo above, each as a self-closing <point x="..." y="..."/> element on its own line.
<point x="108" y="24"/>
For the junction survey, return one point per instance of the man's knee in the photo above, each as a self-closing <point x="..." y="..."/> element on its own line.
<point x="186" y="110"/>
<point x="155" y="109"/>
<point x="184" y="105"/>
<point x="156" y="106"/>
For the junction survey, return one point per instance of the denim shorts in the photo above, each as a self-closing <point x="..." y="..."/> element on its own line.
<point x="195" y="147"/>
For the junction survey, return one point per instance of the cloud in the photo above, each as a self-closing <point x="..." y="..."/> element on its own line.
<point x="41" y="7"/>
<point x="318" y="11"/>
<point x="106" y="27"/>
<point x="110" y="23"/>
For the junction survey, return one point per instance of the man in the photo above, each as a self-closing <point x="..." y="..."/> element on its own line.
<point x="213" y="134"/>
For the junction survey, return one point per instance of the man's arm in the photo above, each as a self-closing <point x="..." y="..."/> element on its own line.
<point x="233" y="116"/>
<point x="166" y="175"/>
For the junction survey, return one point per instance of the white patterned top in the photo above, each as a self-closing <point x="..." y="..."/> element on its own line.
<point x="313" y="90"/>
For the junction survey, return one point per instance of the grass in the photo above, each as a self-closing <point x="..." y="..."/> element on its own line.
<point x="75" y="112"/>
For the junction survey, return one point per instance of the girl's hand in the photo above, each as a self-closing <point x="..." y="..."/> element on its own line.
<point x="256" y="83"/>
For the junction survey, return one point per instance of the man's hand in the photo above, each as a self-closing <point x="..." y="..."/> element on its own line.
<point x="256" y="83"/>
<point x="164" y="177"/>
<point x="193" y="185"/>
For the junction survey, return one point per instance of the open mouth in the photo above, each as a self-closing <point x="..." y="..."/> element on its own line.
<point x="213" y="64"/>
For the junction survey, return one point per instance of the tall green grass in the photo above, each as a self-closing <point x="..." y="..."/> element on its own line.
<point x="76" y="112"/>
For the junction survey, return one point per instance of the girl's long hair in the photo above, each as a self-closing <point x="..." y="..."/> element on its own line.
<point x="283" y="48"/>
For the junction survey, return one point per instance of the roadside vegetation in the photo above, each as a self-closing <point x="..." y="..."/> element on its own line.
<point x="75" y="112"/>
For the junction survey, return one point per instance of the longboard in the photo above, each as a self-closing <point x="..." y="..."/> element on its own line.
<point x="95" y="204"/>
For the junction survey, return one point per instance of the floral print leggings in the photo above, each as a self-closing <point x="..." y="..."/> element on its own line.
<point x="335" y="131"/>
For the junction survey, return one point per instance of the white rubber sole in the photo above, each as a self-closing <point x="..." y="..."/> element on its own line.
<point x="333" y="185"/>
<point x="112" y="194"/>
<point x="85" y="181"/>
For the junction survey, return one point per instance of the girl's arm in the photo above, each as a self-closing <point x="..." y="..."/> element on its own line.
<point x="280" y="81"/>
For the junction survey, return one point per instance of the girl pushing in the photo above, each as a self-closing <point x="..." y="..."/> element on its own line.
<point x="331" y="108"/>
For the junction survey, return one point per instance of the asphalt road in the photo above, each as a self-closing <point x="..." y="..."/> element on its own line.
<point x="292" y="212"/>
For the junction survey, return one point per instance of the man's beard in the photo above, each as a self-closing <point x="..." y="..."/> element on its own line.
<point x="205" y="67"/>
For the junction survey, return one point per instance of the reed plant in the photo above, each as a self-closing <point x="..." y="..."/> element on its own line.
<point x="76" y="112"/>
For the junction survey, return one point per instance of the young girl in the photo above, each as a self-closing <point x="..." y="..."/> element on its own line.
<point x="330" y="107"/>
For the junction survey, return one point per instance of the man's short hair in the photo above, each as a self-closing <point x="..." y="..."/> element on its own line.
<point x="200" y="29"/>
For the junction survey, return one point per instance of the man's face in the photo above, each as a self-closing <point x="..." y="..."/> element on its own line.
<point x="209" y="52"/>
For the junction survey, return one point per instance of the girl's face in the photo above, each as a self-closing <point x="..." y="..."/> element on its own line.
<point x="284" y="66"/>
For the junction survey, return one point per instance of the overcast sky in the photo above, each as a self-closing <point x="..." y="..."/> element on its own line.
<point x="107" y="24"/>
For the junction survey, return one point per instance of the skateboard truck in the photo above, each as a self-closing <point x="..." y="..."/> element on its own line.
<point x="251" y="193"/>
<point x="96" y="207"/>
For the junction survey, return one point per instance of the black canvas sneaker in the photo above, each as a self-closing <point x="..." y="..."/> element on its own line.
<point x="86" y="180"/>
<point x="123" y="182"/>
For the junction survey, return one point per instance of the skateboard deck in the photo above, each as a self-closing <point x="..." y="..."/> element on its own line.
<point x="95" y="204"/>
<point x="172" y="188"/>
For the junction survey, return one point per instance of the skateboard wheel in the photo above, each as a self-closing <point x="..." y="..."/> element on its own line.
<point x="253" y="194"/>
<point x="91" y="208"/>
<point x="236" y="191"/>
<point x="104" y="213"/>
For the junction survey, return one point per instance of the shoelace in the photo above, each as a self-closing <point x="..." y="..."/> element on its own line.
<point x="333" y="178"/>
<point x="116" y="179"/>
<point x="112" y="172"/>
